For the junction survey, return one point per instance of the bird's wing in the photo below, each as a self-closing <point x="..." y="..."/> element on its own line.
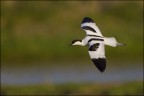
<point x="90" y="27"/>
<point x="97" y="54"/>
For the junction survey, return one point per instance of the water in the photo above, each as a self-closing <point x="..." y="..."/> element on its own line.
<point x="66" y="73"/>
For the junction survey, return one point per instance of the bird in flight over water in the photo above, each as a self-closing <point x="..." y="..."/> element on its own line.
<point x="95" y="41"/>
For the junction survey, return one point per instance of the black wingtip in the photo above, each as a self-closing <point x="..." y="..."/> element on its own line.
<point x="87" y="20"/>
<point x="100" y="63"/>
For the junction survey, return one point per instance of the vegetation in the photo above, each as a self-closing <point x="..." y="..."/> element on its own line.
<point x="124" y="89"/>
<point x="40" y="31"/>
<point x="33" y="31"/>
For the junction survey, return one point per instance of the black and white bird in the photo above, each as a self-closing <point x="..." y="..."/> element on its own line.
<point x="95" y="41"/>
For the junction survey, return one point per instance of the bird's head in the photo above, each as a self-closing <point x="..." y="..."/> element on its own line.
<point x="76" y="42"/>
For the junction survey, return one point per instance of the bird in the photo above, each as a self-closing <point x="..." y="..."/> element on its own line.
<point x="96" y="43"/>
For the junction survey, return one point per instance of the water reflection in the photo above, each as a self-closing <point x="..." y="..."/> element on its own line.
<point x="65" y="73"/>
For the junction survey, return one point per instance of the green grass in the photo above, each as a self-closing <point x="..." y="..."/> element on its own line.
<point x="131" y="88"/>
<point x="30" y="29"/>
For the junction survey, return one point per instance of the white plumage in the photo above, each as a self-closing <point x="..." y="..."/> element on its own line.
<point x="95" y="41"/>
<point x="92" y="25"/>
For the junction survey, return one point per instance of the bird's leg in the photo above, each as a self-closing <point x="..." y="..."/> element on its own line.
<point x="121" y="44"/>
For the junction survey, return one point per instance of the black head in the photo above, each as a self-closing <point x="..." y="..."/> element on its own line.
<point x="75" y="41"/>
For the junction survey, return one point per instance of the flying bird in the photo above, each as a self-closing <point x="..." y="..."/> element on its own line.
<point x="95" y="41"/>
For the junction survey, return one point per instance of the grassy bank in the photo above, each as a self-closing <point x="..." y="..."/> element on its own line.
<point x="131" y="88"/>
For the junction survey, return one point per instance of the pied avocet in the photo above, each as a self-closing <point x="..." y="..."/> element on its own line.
<point x="96" y="41"/>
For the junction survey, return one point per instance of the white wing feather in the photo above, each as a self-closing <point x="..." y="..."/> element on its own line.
<point x="92" y="25"/>
<point x="99" y="53"/>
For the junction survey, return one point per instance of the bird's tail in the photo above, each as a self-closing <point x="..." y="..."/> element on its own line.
<point x="111" y="41"/>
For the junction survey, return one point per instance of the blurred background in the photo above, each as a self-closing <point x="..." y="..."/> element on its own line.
<point x="36" y="58"/>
